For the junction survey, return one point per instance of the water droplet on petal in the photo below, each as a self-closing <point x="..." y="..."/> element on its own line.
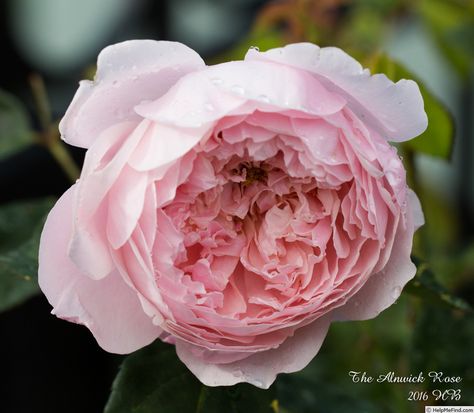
<point x="115" y="83"/>
<point x="217" y="81"/>
<point x="254" y="48"/>
<point x="396" y="291"/>
<point x="257" y="383"/>
<point x="263" y="98"/>
<point x="238" y="89"/>
<point x="237" y="373"/>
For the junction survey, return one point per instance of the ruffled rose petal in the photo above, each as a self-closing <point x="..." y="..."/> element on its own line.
<point x="383" y="288"/>
<point x="108" y="307"/>
<point x="260" y="369"/>
<point x="395" y="110"/>
<point x="127" y="74"/>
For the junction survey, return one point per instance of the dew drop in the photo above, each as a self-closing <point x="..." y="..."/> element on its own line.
<point x="217" y="81"/>
<point x="238" y="89"/>
<point x="254" y="48"/>
<point x="237" y="373"/>
<point x="257" y="383"/>
<point x="396" y="291"/>
<point x="263" y="98"/>
<point x="115" y="83"/>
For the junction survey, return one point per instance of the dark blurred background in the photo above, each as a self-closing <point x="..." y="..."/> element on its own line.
<point x="48" y="365"/>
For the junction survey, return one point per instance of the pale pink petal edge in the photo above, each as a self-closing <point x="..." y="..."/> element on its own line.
<point x="127" y="74"/>
<point x="260" y="369"/>
<point x="395" y="110"/>
<point x="108" y="307"/>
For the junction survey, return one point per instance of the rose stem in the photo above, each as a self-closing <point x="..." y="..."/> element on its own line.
<point x="49" y="135"/>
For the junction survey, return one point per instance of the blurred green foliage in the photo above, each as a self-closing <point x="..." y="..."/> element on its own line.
<point x="451" y="23"/>
<point x="15" y="132"/>
<point x="20" y="229"/>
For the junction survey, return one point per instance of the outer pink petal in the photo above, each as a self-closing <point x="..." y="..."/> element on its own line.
<point x="127" y="73"/>
<point x="165" y="144"/>
<point x="383" y="289"/>
<point x="235" y="88"/>
<point x="414" y="203"/>
<point x="395" y="110"/>
<point x="260" y="369"/>
<point x="89" y="248"/>
<point x="125" y="205"/>
<point x="108" y="307"/>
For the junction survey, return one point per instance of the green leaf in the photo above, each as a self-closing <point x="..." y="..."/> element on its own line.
<point x="14" y="126"/>
<point x="437" y="140"/>
<point x="426" y="286"/>
<point x="154" y="380"/>
<point x="20" y="230"/>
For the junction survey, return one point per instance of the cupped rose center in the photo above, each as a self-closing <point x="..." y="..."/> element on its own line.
<point x="258" y="231"/>
<point x="276" y="232"/>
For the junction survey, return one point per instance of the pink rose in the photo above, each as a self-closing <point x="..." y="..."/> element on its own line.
<point x="233" y="210"/>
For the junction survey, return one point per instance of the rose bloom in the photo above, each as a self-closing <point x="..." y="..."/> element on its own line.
<point x="232" y="210"/>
